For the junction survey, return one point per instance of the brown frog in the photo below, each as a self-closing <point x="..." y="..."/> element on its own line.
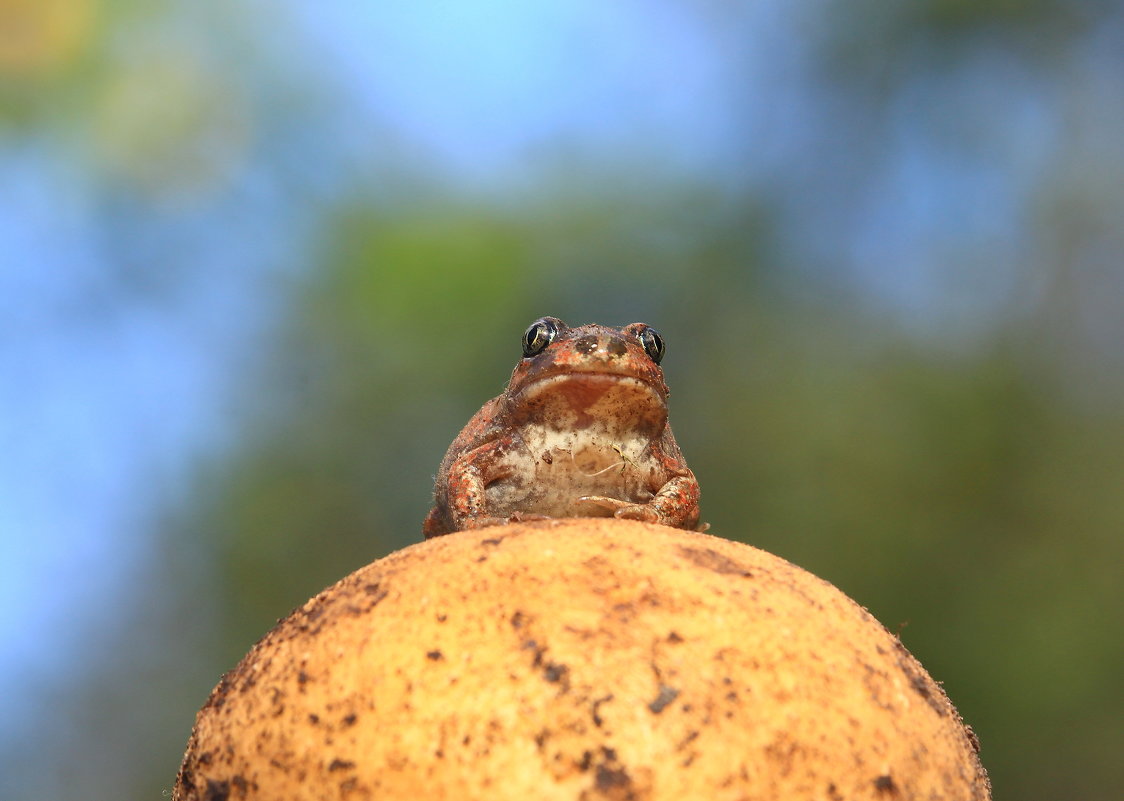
<point x="580" y="431"/>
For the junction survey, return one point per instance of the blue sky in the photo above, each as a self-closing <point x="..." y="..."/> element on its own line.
<point x="485" y="85"/>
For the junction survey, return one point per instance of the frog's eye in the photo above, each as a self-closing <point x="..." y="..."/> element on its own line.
<point x="653" y="343"/>
<point x="538" y="335"/>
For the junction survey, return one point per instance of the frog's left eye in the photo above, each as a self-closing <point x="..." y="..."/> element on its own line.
<point x="538" y="335"/>
<point x="653" y="343"/>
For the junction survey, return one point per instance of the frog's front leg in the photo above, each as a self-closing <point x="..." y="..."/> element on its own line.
<point x="468" y="477"/>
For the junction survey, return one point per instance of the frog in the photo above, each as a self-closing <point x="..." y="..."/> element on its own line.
<point x="580" y="431"/>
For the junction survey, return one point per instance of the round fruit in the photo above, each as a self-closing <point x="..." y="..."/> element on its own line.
<point x="580" y="659"/>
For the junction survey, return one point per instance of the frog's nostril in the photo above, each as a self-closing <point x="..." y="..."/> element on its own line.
<point x="616" y="347"/>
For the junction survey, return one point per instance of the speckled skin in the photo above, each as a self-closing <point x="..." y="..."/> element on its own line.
<point x="580" y="431"/>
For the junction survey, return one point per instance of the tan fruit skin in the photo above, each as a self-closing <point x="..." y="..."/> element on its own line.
<point x="580" y="659"/>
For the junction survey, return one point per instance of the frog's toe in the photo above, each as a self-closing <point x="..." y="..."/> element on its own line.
<point x="637" y="511"/>
<point x="602" y="502"/>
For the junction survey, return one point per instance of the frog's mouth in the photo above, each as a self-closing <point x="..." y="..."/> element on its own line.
<point x="582" y="399"/>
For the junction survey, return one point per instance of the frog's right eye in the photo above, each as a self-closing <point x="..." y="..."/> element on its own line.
<point x="538" y="335"/>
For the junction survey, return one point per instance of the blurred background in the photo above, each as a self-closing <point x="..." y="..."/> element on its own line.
<point x="259" y="263"/>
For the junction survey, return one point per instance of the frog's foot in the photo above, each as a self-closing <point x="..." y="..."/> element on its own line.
<point x="624" y="509"/>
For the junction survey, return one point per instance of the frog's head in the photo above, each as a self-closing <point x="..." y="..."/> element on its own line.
<point x="576" y="376"/>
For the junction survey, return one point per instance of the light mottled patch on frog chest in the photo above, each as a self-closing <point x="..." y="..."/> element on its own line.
<point x="547" y="470"/>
